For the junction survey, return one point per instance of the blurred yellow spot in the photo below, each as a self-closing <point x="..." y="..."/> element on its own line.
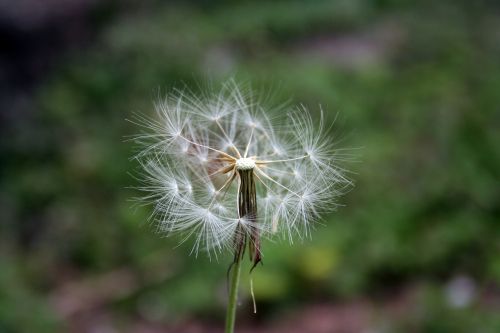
<point x="316" y="263"/>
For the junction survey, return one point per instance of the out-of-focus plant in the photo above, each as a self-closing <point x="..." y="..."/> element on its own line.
<point x="219" y="169"/>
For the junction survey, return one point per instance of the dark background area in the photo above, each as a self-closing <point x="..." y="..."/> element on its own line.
<point x="415" y="89"/>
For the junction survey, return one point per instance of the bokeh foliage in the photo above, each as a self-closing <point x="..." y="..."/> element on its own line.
<point x="414" y="87"/>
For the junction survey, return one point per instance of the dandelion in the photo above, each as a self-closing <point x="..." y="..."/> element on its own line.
<point x="219" y="170"/>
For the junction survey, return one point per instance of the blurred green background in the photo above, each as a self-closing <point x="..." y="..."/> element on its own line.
<point x="415" y="85"/>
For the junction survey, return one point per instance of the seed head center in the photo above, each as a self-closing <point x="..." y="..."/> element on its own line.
<point x="245" y="163"/>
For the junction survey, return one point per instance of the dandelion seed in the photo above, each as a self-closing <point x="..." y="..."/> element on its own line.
<point x="211" y="162"/>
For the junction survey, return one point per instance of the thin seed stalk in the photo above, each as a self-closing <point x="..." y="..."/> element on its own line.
<point x="233" y="297"/>
<point x="247" y="208"/>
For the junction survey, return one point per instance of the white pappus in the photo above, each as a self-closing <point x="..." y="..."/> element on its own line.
<point x="201" y="154"/>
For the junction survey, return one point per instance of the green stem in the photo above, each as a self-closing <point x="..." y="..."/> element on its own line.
<point x="233" y="297"/>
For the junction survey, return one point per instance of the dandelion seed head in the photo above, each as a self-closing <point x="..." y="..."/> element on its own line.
<point x="191" y="155"/>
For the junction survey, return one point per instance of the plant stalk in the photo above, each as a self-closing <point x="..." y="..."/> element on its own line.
<point x="247" y="208"/>
<point x="233" y="296"/>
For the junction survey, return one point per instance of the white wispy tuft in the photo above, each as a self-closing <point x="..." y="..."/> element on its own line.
<point x="191" y="152"/>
